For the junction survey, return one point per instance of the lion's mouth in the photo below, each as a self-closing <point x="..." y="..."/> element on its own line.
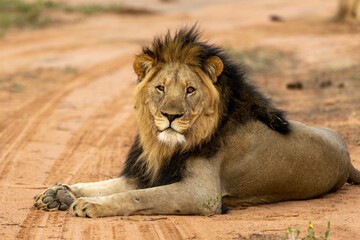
<point x="171" y="137"/>
<point x="170" y="129"/>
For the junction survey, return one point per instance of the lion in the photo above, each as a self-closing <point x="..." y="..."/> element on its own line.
<point x="208" y="140"/>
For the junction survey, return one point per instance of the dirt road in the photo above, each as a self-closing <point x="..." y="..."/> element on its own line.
<point x="66" y="96"/>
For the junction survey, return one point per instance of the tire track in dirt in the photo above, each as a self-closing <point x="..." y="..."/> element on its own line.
<point x="27" y="120"/>
<point x="21" y="135"/>
<point x="86" y="141"/>
<point x="73" y="55"/>
<point x="170" y="227"/>
<point x="40" y="41"/>
<point x="110" y="145"/>
<point x="167" y="230"/>
<point x="90" y="139"/>
<point x="61" y="173"/>
<point x="78" y="147"/>
<point x="108" y="156"/>
<point x="184" y="228"/>
<point x="29" y="43"/>
<point x="49" y="46"/>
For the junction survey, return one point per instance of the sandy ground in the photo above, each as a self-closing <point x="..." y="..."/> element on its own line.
<point x="66" y="95"/>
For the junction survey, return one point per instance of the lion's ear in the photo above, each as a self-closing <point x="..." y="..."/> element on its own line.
<point x="142" y="64"/>
<point x="215" y="67"/>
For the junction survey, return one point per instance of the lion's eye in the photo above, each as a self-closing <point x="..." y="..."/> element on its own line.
<point x="160" y="88"/>
<point x="190" y="90"/>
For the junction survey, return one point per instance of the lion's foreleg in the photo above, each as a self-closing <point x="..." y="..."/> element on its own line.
<point x="199" y="193"/>
<point x="61" y="196"/>
<point x="169" y="199"/>
<point x="103" y="188"/>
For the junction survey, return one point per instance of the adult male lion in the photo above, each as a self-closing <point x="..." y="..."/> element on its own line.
<point x="207" y="138"/>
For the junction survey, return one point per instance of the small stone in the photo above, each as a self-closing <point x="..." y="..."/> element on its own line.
<point x="341" y="85"/>
<point x="326" y="84"/>
<point x="276" y="18"/>
<point x="295" y="86"/>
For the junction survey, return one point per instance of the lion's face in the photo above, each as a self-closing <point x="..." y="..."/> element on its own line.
<point x="176" y="97"/>
<point x="176" y="103"/>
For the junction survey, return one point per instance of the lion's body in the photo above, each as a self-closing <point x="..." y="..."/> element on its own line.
<point x="307" y="163"/>
<point x="207" y="137"/>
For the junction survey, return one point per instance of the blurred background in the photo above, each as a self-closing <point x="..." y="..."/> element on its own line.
<point x="66" y="102"/>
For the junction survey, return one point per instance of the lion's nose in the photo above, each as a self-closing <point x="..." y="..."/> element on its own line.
<point x="171" y="117"/>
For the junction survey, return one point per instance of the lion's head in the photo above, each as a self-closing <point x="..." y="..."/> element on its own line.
<point x="189" y="95"/>
<point x="177" y="103"/>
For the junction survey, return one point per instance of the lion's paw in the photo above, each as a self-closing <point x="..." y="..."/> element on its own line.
<point x="56" y="197"/>
<point x="84" y="207"/>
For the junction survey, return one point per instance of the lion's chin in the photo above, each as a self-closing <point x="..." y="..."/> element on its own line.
<point x="171" y="137"/>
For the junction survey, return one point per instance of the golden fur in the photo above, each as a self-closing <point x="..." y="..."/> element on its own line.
<point x="193" y="62"/>
<point x="206" y="138"/>
<point x="205" y="119"/>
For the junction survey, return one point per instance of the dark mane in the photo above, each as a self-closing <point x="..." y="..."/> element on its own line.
<point x="241" y="100"/>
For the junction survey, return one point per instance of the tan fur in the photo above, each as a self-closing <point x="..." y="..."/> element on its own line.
<point x="216" y="65"/>
<point x="349" y="10"/>
<point x="254" y="166"/>
<point x="178" y="108"/>
<point x="205" y="117"/>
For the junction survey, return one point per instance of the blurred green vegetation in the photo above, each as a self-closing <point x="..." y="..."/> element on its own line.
<point x="310" y="235"/>
<point x="16" y="13"/>
<point x="356" y="77"/>
<point x="16" y="87"/>
<point x="95" y="8"/>
<point x="37" y="14"/>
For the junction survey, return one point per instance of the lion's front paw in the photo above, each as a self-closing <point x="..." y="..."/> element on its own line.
<point x="56" y="197"/>
<point x="84" y="207"/>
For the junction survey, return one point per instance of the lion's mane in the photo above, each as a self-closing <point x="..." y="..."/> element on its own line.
<point x="239" y="103"/>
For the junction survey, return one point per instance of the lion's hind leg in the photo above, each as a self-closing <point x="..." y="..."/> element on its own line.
<point x="56" y="197"/>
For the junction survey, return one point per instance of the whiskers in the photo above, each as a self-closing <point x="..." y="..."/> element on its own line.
<point x="179" y="126"/>
<point x="162" y="123"/>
